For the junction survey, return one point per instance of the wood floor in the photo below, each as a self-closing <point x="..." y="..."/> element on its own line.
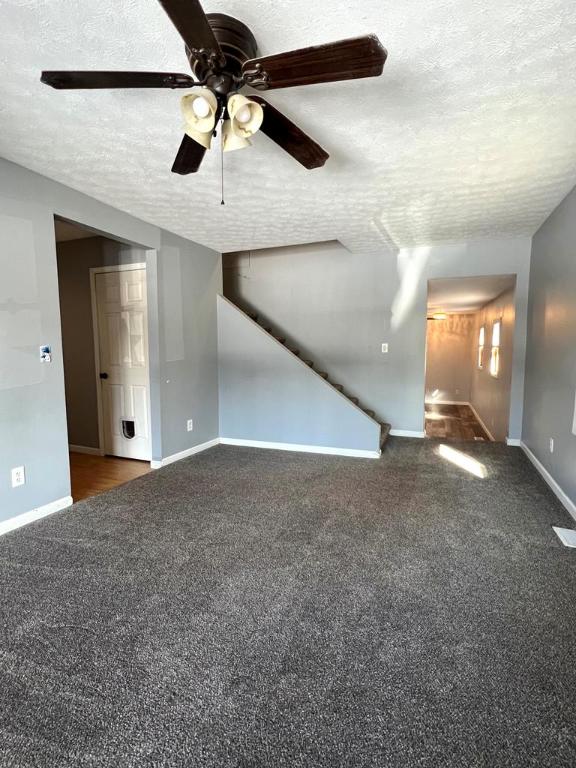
<point x="92" y="475"/>
<point x="453" y="422"/>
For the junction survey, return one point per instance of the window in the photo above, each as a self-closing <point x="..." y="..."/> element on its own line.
<point x="495" y="352"/>
<point x="481" y="336"/>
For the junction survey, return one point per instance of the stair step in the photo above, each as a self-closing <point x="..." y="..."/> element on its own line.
<point x="339" y="387"/>
<point x="323" y="374"/>
<point x="253" y="316"/>
<point x="369" y="413"/>
<point x="384" y="432"/>
<point x="353" y="399"/>
<point x="309" y="363"/>
<point x="281" y="339"/>
<point x="296" y="352"/>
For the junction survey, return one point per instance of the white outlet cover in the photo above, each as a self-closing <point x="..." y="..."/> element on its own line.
<point x="18" y="477"/>
<point x="384" y="349"/>
<point x="551" y="445"/>
<point x="190" y="425"/>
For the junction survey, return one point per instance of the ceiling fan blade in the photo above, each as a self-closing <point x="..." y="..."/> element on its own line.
<point x="288" y="136"/>
<point x="63" y="79"/>
<point x="343" y="60"/>
<point x="189" y="157"/>
<point x="190" y="20"/>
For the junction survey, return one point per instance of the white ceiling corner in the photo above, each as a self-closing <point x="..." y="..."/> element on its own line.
<point x="469" y="133"/>
<point x="466" y="294"/>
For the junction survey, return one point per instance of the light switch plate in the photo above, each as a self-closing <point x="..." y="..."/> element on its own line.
<point x="45" y="354"/>
<point x="190" y="425"/>
<point x="384" y="349"/>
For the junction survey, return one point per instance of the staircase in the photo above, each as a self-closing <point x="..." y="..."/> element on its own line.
<point x="384" y="427"/>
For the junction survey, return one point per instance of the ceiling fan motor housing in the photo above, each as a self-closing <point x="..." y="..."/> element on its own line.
<point x="238" y="44"/>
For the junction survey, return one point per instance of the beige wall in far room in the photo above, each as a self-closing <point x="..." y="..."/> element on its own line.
<point x="490" y="396"/>
<point x="449" y="358"/>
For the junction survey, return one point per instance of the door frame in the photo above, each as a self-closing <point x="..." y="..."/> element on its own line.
<point x="96" y="337"/>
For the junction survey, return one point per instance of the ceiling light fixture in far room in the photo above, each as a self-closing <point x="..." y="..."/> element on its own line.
<point x="438" y="316"/>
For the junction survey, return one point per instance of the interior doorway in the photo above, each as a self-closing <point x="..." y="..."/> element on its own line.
<point x="104" y="319"/>
<point x="120" y="323"/>
<point x="469" y="346"/>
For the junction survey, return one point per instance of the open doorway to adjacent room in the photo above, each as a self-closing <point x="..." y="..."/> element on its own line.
<point x="104" y="318"/>
<point x="469" y="344"/>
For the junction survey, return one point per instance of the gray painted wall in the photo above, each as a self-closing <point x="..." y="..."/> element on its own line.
<point x="338" y="307"/>
<point x="32" y="402"/>
<point x="490" y="395"/>
<point x="551" y="358"/>
<point x="189" y="279"/>
<point x="449" y="358"/>
<point x="268" y="394"/>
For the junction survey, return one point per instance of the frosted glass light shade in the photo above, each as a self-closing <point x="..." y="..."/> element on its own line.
<point x="246" y="116"/>
<point x="199" y="110"/>
<point x="230" y="140"/>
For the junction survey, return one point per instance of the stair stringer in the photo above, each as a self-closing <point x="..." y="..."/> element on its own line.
<point x="267" y="394"/>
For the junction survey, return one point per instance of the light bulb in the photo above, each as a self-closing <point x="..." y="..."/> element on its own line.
<point x="201" y="107"/>
<point x="244" y="114"/>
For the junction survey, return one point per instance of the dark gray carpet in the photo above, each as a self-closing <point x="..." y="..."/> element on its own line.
<point x="246" y="608"/>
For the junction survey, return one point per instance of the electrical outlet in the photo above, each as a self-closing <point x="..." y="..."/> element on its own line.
<point x="190" y="425"/>
<point x="18" y="477"/>
<point x="384" y="349"/>
<point x="551" y="445"/>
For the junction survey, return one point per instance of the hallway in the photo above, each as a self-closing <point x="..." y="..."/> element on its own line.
<point x="453" y="422"/>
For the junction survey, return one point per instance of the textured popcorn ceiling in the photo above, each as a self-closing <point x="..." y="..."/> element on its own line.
<point x="469" y="133"/>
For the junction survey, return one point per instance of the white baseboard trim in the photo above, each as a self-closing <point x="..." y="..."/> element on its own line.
<point x="35" y="514"/>
<point x="513" y="441"/>
<point x="484" y="427"/>
<point x="86" y="449"/>
<point x="353" y="452"/>
<point x="406" y="433"/>
<point x="565" y="500"/>
<point x="184" y="454"/>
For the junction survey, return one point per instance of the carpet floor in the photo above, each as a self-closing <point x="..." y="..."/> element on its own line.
<point x="248" y="608"/>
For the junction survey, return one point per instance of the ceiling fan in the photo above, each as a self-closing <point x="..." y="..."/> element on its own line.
<point x="223" y="56"/>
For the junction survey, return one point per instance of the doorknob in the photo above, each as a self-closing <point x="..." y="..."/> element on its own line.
<point x="103" y="375"/>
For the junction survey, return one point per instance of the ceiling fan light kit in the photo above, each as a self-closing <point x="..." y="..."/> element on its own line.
<point x="200" y="113"/>
<point x="230" y="140"/>
<point x="246" y="116"/>
<point x="223" y="56"/>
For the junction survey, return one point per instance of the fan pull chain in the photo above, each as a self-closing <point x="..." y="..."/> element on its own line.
<point x="222" y="159"/>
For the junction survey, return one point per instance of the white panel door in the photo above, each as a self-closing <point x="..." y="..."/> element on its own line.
<point x="123" y="347"/>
